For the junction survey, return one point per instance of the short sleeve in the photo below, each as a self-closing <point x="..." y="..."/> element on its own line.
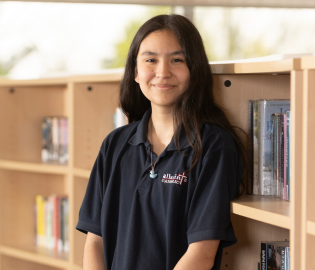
<point x="209" y="214"/>
<point x="90" y="211"/>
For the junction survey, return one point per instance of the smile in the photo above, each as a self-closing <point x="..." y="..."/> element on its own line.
<point x="163" y="86"/>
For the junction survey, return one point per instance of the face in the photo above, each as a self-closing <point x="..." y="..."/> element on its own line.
<point x="162" y="71"/>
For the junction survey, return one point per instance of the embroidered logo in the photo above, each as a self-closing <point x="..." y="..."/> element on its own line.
<point x="176" y="179"/>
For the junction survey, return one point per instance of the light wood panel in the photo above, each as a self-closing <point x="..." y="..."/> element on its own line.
<point x="273" y="67"/>
<point x="69" y="111"/>
<point x="93" y="119"/>
<point x="296" y="167"/>
<point x="80" y="185"/>
<point x="33" y="167"/>
<point x="310" y="227"/>
<point x="226" y="3"/>
<point x="21" y="113"/>
<point x="234" y="99"/>
<point x="82" y="173"/>
<point x="17" y="195"/>
<point x="310" y="252"/>
<point x="267" y="209"/>
<point x="38" y="82"/>
<point x="249" y="233"/>
<point x="308" y="62"/>
<point x="40" y="256"/>
<point x="308" y="175"/>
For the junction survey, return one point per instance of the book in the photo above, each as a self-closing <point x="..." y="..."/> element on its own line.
<point x="63" y="139"/>
<point x="46" y="139"/>
<point x="55" y="140"/>
<point x="288" y="156"/>
<point x="265" y="109"/>
<point x="52" y="226"/>
<point x="40" y="220"/>
<point x="282" y="139"/>
<point x="284" y="119"/>
<point x="273" y="255"/>
<point x="255" y="148"/>
<point x="278" y="177"/>
<point x="263" y="255"/>
<point x="274" y="153"/>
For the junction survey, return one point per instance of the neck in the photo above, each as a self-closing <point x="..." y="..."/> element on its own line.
<point x="160" y="128"/>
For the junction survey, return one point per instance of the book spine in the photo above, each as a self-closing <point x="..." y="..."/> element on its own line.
<point x="288" y="155"/>
<point x="40" y="202"/>
<point x="263" y="257"/>
<point x="61" y="239"/>
<point x="273" y="154"/>
<point x="255" y="148"/>
<point x="282" y="157"/>
<point x="285" y="156"/>
<point x="278" y="154"/>
<point x="260" y="147"/>
<point x="55" y="139"/>
<point x="44" y="140"/>
<point x="66" y="225"/>
<point x="282" y="258"/>
<point x="55" y="221"/>
<point x="250" y="132"/>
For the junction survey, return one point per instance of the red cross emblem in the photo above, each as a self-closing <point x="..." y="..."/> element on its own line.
<point x="182" y="178"/>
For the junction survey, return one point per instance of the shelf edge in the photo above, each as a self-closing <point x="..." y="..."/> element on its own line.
<point x="261" y="215"/>
<point x="29" y="256"/>
<point x="33" y="167"/>
<point x="310" y="227"/>
<point x="84" y="173"/>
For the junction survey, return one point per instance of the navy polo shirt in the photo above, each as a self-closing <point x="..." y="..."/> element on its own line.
<point x="146" y="223"/>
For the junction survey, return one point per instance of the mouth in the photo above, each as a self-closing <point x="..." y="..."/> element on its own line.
<point x="160" y="86"/>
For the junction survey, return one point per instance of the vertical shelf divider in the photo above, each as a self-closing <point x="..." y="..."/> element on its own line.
<point x="296" y="167"/>
<point x="69" y="103"/>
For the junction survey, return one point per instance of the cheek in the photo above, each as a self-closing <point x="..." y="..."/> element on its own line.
<point x="145" y="75"/>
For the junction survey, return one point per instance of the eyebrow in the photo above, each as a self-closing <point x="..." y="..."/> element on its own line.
<point x="155" y="54"/>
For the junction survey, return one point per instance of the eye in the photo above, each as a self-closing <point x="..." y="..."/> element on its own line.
<point x="178" y="60"/>
<point x="150" y="60"/>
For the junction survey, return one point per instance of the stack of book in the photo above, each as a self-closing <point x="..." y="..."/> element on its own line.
<point x="55" y="140"/>
<point x="275" y="255"/>
<point x="51" y="226"/>
<point x="269" y="128"/>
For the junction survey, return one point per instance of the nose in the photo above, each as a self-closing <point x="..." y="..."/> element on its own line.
<point x="163" y="70"/>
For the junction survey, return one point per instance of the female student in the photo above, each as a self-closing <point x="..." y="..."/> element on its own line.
<point x="159" y="193"/>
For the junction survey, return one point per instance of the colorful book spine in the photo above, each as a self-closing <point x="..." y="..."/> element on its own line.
<point x="40" y="220"/>
<point x="265" y="109"/>
<point x="52" y="226"/>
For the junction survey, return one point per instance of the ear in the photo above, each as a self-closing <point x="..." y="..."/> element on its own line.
<point x="136" y="75"/>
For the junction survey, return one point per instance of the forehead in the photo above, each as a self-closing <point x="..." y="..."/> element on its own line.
<point x="160" y="42"/>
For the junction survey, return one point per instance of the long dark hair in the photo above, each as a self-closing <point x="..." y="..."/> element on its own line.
<point x="196" y="105"/>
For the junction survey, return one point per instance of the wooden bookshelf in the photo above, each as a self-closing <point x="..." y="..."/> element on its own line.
<point x="89" y="102"/>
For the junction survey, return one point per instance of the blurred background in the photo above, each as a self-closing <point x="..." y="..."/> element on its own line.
<point x="61" y="39"/>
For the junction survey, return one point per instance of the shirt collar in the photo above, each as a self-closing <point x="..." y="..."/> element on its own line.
<point x="141" y="134"/>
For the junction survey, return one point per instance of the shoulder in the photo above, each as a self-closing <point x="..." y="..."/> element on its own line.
<point x="119" y="137"/>
<point x="215" y="138"/>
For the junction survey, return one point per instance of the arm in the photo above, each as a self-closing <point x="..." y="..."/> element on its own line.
<point x="199" y="256"/>
<point x="93" y="258"/>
